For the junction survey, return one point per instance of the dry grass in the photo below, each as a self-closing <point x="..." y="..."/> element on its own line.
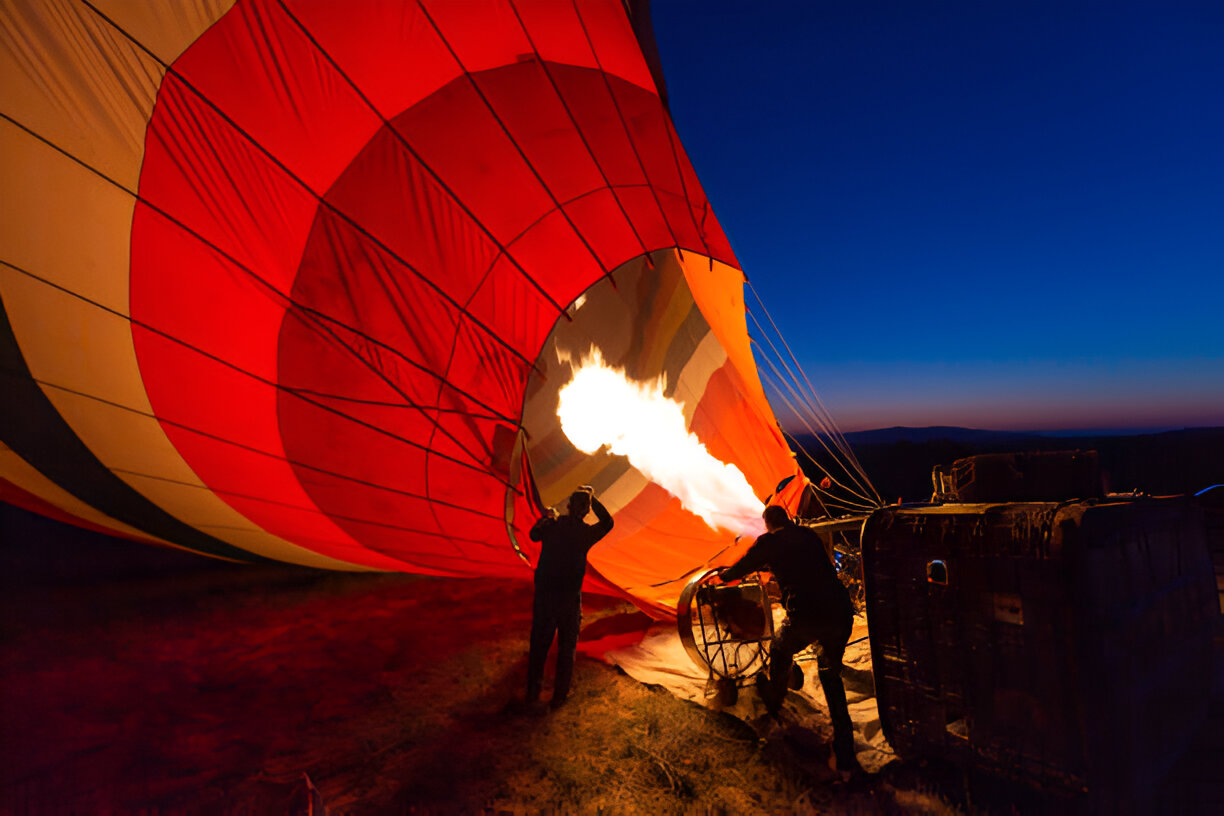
<point x="396" y="695"/>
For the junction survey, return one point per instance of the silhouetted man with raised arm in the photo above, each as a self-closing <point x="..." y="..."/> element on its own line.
<point x="557" y="608"/>
<point x="818" y="610"/>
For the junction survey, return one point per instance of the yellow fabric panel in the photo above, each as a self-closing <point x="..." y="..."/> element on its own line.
<point x="72" y="343"/>
<point x="165" y="28"/>
<point x="62" y="222"/>
<point x="21" y="473"/>
<point x="70" y="77"/>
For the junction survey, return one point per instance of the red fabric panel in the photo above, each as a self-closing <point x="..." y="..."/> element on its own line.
<point x="527" y="104"/>
<point x="388" y="193"/>
<point x="599" y="218"/>
<point x="367" y="293"/>
<point x="394" y="55"/>
<point x="713" y="239"/>
<point x="614" y="43"/>
<point x="451" y="128"/>
<point x="224" y="189"/>
<point x="306" y="115"/>
<point x="197" y="303"/>
<point x="557" y="256"/>
<point x="481" y="366"/>
<point x="339" y="434"/>
<point x="680" y="221"/>
<point x="648" y="130"/>
<point x="642" y="204"/>
<point x="556" y="32"/>
<point x="593" y="108"/>
<point x="514" y="304"/>
<point x="483" y="34"/>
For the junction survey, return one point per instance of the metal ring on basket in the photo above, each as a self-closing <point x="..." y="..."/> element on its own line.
<point x="726" y="629"/>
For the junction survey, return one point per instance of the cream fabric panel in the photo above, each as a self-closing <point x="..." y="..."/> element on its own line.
<point x="70" y="78"/>
<point x="20" y="472"/>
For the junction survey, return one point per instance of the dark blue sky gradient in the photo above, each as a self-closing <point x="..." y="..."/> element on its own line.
<point x="1004" y="214"/>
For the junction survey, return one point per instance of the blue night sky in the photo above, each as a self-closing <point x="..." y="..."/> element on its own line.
<point x="1004" y="214"/>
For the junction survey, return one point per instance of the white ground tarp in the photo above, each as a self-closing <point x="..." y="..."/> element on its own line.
<point x="660" y="659"/>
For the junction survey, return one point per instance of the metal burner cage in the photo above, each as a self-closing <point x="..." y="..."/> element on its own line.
<point x="726" y="629"/>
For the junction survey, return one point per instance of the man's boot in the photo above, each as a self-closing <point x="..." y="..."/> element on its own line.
<point x="839" y="713"/>
<point x="843" y="753"/>
<point x="765" y="690"/>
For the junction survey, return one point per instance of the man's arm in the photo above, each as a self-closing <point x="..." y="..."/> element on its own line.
<point x="602" y="527"/>
<point x="753" y="560"/>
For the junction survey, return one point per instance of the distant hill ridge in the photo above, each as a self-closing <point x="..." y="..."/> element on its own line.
<point x="900" y="433"/>
<point x="977" y="436"/>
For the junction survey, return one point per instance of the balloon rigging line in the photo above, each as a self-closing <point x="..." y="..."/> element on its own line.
<point x="503" y="249"/>
<point x="816" y="397"/>
<point x="769" y="361"/>
<point x="322" y="200"/>
<point x="257" y="377"/>
<point x="823" y="420"/>
<point x="824" y="423"/>
<point x="827" y="496"/>
<point x="802" y="449"/>
<point x="868" y="503"/>
<point x="813" y="459"/>
<point x="835" y="434"/>
<point x="517" y="147"/>
<point x="855" y="502"/>
<point x="781" y="386"/>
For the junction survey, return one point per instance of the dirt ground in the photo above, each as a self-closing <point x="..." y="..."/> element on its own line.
<point x="216" y="693"/>
<point x="221" y="692"/>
